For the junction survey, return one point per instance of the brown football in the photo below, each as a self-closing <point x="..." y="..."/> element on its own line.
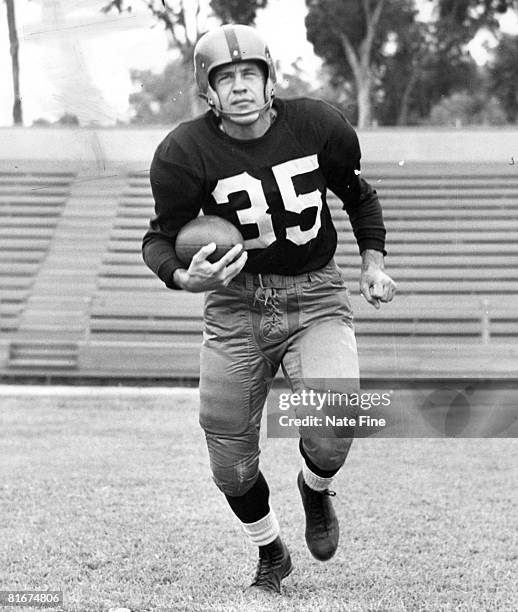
<point x="203" y="230"/>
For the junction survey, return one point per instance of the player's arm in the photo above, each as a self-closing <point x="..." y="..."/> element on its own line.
<point x="177" y="195"/>
<point x="341" y="162"/>
<point x="364" y="210"/>
<point x="171" y="186"/>
<point x="365" y="214"/>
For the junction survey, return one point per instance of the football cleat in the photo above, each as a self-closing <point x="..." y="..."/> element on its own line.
<point x="322" y="529"/>
<point x="274" y="564"/>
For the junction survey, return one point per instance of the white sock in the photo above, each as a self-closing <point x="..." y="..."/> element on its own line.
<point x="263" y="531"/>
<point x="317" y="483"/>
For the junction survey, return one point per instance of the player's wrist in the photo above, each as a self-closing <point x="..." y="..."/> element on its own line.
<point x="372" y="259"/>
<point x="189" y="282"/>
<point x="180" y="278"/>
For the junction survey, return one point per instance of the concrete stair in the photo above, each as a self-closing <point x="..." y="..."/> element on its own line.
<point x="54" y="319"/>
<point x="37" y="356"/>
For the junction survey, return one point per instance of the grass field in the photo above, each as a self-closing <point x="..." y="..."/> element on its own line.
<point x="108" y="497"/>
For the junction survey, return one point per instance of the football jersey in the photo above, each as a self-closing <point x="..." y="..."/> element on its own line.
<point x="272" y="188"/>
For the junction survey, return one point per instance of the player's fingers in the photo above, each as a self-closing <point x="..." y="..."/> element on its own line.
<point x="376" y="293"/>
<point x="377" y="290"/>
<point x="365" y="291"/>
<point x="204" y="252"/>
<point x="228" y="258"/>
<point x="390" y="291"/>
<point x="235" y="268"/>
<point x="387" y="293"/>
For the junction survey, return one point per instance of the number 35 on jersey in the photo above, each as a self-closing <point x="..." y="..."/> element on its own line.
<point x="257" y="212"/>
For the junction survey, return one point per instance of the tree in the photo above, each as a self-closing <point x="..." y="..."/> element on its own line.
<point x="350" y="36"/>
<point x="433" y="58"/>
<point x="503" y="75"/>
<point x="466" y="108"/>
<point x="163" y="98"/>
<point x="172" y="96"/>
<point x="14" y="45"/>
<point x="175" y="17"/>
<point x="67" y="119"/>
<point x="400" y="65"/>
<point x="237" y="11"/>
<point x="417" y="76"/>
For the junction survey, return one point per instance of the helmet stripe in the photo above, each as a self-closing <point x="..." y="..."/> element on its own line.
<point x="233" y="45"/>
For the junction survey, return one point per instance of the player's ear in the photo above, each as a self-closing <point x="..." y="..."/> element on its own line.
<point x="213" y="102"/>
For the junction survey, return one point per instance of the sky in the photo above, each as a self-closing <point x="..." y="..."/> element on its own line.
<point x="75" y="59"/>
<point x="79" y="61"/>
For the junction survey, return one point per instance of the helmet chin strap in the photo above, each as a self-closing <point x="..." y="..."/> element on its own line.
<point x="244" y="113"/>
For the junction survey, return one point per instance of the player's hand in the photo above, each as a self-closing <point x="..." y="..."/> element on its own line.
<point x="202" y="275"/>
<point x="376" y="286"/>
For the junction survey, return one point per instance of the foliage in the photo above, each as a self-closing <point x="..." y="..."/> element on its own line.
<point x="67" y="120"/>
<point x="381" y="64"/>
<point x="396" y="63"/>
<point x="293" y="84"/>
<point x="348" y="35"/>
<point x="164" y="98"/>
<point x="237" y="11"/>
<point x="460" y="20"/>
<point x="503" y="75"/>
<point x="465" y="108"/>
<point x="413" y="85"/>
<point x="438" y="63"/>
<point x="330" y="22"/>
<point x="174" y="16"/>
<point x="171" y="96"/>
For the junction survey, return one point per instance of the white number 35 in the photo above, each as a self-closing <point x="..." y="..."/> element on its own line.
<point x="257" y="213"/>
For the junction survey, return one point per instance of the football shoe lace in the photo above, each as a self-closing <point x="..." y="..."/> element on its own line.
<point x="273" y="565"/>
<point x="322" y="529"/>
<point x="273" y="316"/>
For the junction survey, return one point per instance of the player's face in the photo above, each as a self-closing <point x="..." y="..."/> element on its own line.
<point x="240" y="88"/>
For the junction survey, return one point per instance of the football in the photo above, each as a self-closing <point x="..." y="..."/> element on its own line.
<point x="203" y="230"/>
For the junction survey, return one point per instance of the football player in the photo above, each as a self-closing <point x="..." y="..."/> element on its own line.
<point x="265" y="164"/>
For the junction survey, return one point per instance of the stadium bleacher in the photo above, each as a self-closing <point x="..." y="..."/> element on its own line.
<point x="31" y="202"/>
<point x="452" y="250"/>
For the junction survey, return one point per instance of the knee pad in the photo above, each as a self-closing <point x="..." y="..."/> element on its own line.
<point x="236" y="480"/>
<point x="327" y="453"/>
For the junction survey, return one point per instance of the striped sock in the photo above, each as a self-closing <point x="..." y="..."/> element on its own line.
<point x="317" y="483"/>
<point x="263" y="531"/>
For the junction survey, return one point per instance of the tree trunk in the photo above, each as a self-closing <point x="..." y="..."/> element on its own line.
<point x="403" y="115"/>
<point x="359" y="63"/>
<point x="402" y="118"/>
<point x="363" y="97"/>
<point x="14" y="45"/>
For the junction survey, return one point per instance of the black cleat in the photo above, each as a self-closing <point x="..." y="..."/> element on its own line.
<point x="322" y="529"/>
<point x="274" y="564"/>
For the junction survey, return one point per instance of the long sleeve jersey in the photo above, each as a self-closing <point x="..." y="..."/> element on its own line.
<point x="272" y="188"/>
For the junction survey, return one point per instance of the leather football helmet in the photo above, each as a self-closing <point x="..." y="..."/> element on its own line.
<point x="227" y="44"/>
